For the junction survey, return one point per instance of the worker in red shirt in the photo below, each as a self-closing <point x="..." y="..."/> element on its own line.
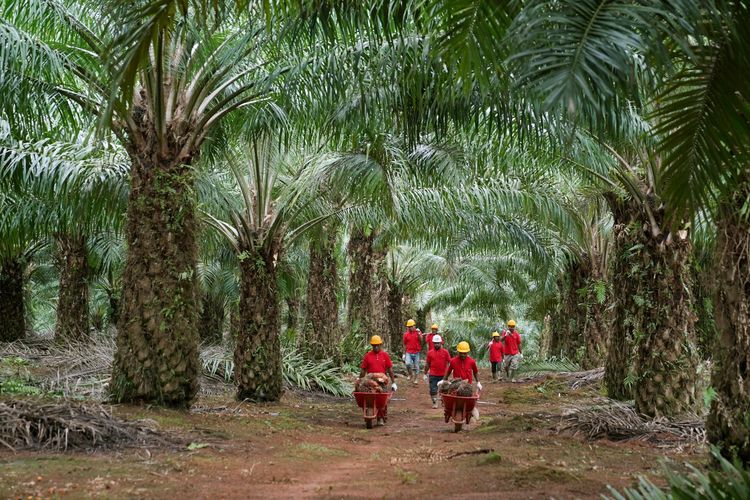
<point x="377" y="360"/>
<point x="436" y="366"/>
<point x="511" y="350"/>
<point x="463" y="367"/>
<point x="412" y="347"/>
<point x="496" y="354"/>
<point x="428" y="336"/>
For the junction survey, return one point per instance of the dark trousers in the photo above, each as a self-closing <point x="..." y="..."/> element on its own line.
<point x="495" y="365"/>
<point x="434" y="379"/>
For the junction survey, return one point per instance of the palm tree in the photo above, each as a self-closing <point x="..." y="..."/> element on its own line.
<point x="66" y="192"/>
<point x="700" y="117"/>
<point x="163" y="98"/>
<point x="276" y="204"/>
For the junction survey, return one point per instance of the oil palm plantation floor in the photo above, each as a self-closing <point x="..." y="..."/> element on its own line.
<point x="317" y="447"/>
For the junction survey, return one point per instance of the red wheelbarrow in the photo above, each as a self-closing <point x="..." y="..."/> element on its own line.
<point x="458" y="409"/>
<point x="374" y="405"/>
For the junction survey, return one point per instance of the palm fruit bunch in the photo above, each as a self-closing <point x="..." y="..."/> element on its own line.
<point x="458" y="387"/>
<point x="372" y="382"/>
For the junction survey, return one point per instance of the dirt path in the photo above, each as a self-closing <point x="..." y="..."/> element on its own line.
<point x="308" y="448"/>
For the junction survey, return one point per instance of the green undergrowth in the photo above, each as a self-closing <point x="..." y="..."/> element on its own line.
<point x="16" y="378"/>
<point x="726" y="480"/>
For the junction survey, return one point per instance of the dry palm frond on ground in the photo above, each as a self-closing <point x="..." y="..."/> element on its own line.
<point x="619" y="421"/>
<point x="578" y="380"/>
<point x="64" y="425"/>
<point x="83" y="369"/>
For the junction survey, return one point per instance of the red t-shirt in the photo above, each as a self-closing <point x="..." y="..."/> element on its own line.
<point x="464" y="368"/>
<point x="374" y="362"/>
<point x="412" y="342"/>
<point x="438" y="361"/>
<point x="512" y="342"/>
<point x="428" y="339"/>
<point x="496" y="351"/>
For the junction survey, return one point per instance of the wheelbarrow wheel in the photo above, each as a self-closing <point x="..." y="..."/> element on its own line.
<point x="369" y="417"/>
<point x="457" y="426"/>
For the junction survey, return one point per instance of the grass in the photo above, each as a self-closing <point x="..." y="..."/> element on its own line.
<point x="317" y="450"/>
<point x="406" y="476"/>
<point x="491" y="459"/>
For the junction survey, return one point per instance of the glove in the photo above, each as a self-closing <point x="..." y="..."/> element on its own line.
<point x="403" y="358"/>
<point x="479" y="386"/>
<point x="425" y="377"/>
<point x="441" y="382"/>
<point x="394" y="387"/>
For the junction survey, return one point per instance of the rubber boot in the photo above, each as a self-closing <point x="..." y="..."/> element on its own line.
<point x="475" y="414"/>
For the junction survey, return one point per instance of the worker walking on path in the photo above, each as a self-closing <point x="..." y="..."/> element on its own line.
<point x="464" y="367"/>
<point x="496" y="355"/>
<point x="511" y="350"/>
<point x="436" y="366"/>
<point x="377" y="360"/>
<point x="412" y="347"/>
<point x="429" y="336"/>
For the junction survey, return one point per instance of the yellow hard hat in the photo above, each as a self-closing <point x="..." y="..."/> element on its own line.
<point x="376" y="340"/>
<point x="411" y="322"/>
<point x="511" y="323"/>
<point x="463" y="347"/>
<point x="434" y="326"/>
<point x="495" y="334"/>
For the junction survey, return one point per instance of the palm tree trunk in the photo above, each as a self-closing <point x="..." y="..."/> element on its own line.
<point x="596" y="324"/>
<point x="257" y="354"/>
<point x="571" y="316"/>
<point x="380" y="322"/>
<point x="666" y="355"/>
<point x="627" y="315"/>
<point x="395" y="320"/>
<point x="157" y="343"/>
<point x="321" y="332"/>
<point x="73" y="303"/>
<point x="653" y="315"/>
<point x="12" y="309"/>
<point x="361" y="272"/>
<point x="292" y="313"/>
<point x="211" y="320"/>
<point x="728" y="422"/>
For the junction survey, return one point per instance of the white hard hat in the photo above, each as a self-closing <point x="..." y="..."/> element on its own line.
<point x="436" y="339"/>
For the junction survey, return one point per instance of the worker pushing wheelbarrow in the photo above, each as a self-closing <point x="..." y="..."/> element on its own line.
<point x="371" y="391"/>
<point x="459" y="397"/>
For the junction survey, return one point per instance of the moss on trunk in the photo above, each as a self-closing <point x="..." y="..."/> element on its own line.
<point x="157" y="344"/>
<point x="73" y="303"/>
<point x="728" y="422"/>
<point x="12" y="309"/>
<point x="257" y="354"/>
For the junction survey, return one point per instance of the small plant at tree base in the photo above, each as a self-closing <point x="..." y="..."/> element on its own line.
<point x="729" y="480"/>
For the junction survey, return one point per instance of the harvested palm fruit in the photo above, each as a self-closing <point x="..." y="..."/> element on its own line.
<point x="465" y="390"/>
<point x="372" y="382"/>
<point x="457" y="387"/>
